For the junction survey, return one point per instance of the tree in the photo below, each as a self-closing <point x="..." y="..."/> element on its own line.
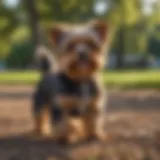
<point x="33" y="19"/>
<point x="124" y="14"/>
<point x="154" y="42"/>
<point x="39" y="15"/>
<point x="8" y="22"/>
<point x="21" y="55"/>
<point x="42" y="14"/>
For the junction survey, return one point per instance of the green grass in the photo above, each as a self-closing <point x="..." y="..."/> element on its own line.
<point x="133" y="79"/>
<point x="112" y="79"/>
<point x="19" y="77"/>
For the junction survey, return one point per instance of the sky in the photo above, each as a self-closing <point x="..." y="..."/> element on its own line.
<point x="101" y="6"/>
<point x="147" y="6"/>
<point x="11" y="3"/>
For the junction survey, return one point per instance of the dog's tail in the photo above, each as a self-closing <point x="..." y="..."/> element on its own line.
<point x="44" y="59"/>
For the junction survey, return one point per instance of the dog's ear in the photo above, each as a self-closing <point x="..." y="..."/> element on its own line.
<point x="56" y="35"/>
<point x="101" y="29"/>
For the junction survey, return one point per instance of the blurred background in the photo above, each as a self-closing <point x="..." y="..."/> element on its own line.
<point x="23" y="25"/>
<point x="131" y="75"/>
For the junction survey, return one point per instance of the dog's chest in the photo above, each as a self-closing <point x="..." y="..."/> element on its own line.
<point x="67" y="87"/>
<point x="72" y="97"/>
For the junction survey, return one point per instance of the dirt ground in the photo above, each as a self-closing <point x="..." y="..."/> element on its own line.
<point x="133" y="120"/>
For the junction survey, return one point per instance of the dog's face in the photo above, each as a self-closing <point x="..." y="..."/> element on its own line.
<point x="80" y="49"/>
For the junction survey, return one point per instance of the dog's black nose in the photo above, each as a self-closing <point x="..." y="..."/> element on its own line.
<point x="83" y="56"/>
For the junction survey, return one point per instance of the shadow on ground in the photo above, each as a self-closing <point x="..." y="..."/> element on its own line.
<point x="120" y="148"/>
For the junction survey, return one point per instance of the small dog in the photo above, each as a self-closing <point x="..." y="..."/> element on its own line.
<point x="72" y="99"/>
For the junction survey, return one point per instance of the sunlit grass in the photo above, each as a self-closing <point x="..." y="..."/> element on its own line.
<point x="19" y="77"/>
<point x="112" y="79"/>
<point x="133" y="79"/>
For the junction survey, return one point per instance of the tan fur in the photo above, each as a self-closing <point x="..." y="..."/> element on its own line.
<point x="43" y="123"/>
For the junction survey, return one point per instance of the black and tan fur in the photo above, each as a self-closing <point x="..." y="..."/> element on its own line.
<point x="80" y="55"/>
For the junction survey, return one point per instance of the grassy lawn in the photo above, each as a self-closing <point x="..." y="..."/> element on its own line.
<point x="133" y="79"/>
<point x="19" y="77"/>
<point x="113" y="79"/>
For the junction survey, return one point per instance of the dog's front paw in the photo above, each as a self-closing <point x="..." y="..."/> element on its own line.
<point x="102" y="136"/>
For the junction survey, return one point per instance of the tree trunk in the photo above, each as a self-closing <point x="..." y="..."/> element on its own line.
<point x="34" y="22"/>
<point x="121" y="50"/>
<point x="57" y="5"/>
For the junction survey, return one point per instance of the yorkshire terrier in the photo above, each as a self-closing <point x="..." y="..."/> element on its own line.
<point x="71" y="99"/>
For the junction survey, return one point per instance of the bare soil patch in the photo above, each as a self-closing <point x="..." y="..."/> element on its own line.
<point x="133" y="120"/>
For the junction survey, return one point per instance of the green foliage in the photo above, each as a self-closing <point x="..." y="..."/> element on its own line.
<point x="10" y="23"/>
<point x="21" y="55"/>
<point x="14" y="22"/>
<point x="8" y="20"/>
<point x="125" y="12"/>
<point x="68" y="11"/>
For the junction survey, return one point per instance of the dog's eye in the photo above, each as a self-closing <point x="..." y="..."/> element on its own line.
<point x="70" y="47"/>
